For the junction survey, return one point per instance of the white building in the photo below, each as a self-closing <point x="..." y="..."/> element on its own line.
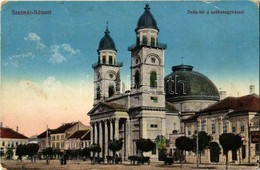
<point x="10" y="139"/>
<point x="238" y="115"/>
<point x="155" y="104"/>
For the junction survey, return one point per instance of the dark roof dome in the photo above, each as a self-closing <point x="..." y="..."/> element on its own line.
<point x="107" y="43"/>
<point x="146" y="20"/>
<point x="185" y="84"/>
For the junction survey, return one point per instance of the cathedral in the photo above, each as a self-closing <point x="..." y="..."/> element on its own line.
<point x="155" y="103"/>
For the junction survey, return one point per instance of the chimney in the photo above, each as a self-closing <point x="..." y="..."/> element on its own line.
<point x="17" y="128"/>
<point x="223" y="95"/>
<point x="251" y="89"/>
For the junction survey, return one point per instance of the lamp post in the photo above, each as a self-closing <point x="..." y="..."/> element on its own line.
<point x="249" y="141"/>
<point x="47" y="138"/>
<point x="197" y="149"/>
<point x="197" y="142"/>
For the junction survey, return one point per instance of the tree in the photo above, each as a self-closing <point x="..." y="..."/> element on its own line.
<point x="21" y="150"/>
<point x="203" y="142"/>
<point x="94" y="148"/>
<point x="184" y="143"/>
<point x="114" y="146"/>
<point x="85" y="152"/>
<point x="1" y="152"/>
<point x="230" y="141"/>
<point x="145" y="145"/>
<point x="160" y="142"/>
<point x="214" y="152"/>
<point x="9" y="153"/>
<point x="32" y="150"/>
<point x="47" y="152"/>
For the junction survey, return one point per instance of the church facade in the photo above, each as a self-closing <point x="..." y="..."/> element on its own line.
<point x="155" y="104"/>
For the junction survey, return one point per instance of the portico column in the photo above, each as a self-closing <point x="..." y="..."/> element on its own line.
<point x="95" y="132"/>
<point x="92" y="132"/>
<point x="111" y="134"/>
<point x="128" y="136"/>
<point x="111" y="129"/>
<point x="100" y="137"/>
<point x="106" y="137"/>
<point x="117" y="128"/>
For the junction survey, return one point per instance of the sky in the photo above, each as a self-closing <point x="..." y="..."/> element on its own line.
<point x="46" y="73"/>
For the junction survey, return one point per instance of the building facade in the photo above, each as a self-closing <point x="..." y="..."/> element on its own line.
<point x="238" y="115"/>
<point x="139" y="113"/>
<point x="155" y="103"/>
<point x="56" y="138"/>
<point x="78" y="140"/>
<point x="10" y="139"/>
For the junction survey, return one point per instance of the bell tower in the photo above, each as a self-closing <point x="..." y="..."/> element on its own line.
<point x="147" y="97"/>
<point x="106" y="70"/>
<point x="147" y="62"/>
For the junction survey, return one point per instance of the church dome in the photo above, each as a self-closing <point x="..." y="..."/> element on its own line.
<point x="185" y="84"/>
<point x="107" y="43"/>
<point x="146" y="20"/>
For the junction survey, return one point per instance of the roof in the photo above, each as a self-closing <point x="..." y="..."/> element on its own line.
<point x="78" y="134"/>
<point x="43" y="134"/>
<point x="114" y="106"/>
<point x="170" y="107"/>
<point x="86" y="136"/>
<point x="64" y="127"/>
<point x="107" y="43"/>
<point x="185" y="84"/>
<point x="192" y="118"/>
<point x="111" y="107"/>
<point x="146" y="20"/>
<point x="10" y="133"/>
<point x="248" y="103"/>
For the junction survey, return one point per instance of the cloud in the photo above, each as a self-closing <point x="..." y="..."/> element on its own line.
<point x="56" y="56"/>
<point x="52" y="84"/>
<point x="33" y="37"/>
<point x="15" y="60"/>
<point x="58" y="53"/>
<point x="69" y="49"/>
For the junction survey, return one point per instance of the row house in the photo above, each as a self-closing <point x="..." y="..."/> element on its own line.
<point x="78" y="140"/>
<point x="238" y="115"/>
<point x="10" y="139"/>
<point x="57" y="138"/>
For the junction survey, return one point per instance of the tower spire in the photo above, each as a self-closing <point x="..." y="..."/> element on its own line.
<point x="107" y="30"/>
<point x="147" y="8"/>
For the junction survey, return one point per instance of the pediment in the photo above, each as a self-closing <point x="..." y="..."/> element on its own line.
<point x="103" y="107"/>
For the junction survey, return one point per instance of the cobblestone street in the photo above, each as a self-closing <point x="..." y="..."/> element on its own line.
<point x="74" y="165"/>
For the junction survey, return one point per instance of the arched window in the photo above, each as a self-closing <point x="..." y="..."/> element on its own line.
<point x="144" y="40"/>
<point x="103" y="59"/>
<point x="153" y="42"/>
<point x="153" y="79"/>
<point x="137" y="41"/>
<point x="110" y="60"/>
<point x="98" y="92"/>
<point x="137" y="79"/>
<point x="111" y="91"/>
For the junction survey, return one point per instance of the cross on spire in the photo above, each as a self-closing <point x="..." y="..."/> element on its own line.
<point x="182" y="60"/>
<point x="147" y="8"/>
<point x="107" y="31"/>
